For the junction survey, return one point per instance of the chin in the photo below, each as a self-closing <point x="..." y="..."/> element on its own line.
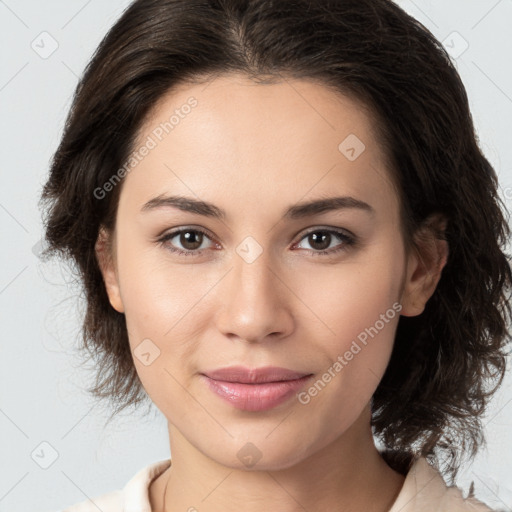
<point x="259" y="455"/>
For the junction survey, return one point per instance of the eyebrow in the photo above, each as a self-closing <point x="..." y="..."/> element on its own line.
<point x="298" y="211"/>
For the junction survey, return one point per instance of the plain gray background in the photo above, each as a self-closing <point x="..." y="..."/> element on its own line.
<point x="53" y="449"/>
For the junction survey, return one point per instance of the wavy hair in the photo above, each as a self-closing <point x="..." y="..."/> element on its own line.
<point x="446" y="362"/>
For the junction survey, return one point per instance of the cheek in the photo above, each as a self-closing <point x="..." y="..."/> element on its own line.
<point x="357" y="311"/>
<point x="349" y="298"/>
<point x="164" y="311"/>
<point x="161" y="322"/>
<point x="155" y="294"/>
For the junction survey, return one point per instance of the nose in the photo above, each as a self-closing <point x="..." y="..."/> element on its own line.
<point x="255" y="301"/>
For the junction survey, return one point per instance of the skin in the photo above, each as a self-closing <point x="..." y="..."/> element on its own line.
<point x="254" y="150"/>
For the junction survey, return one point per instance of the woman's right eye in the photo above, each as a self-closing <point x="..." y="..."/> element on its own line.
<point x="190" y="239"/>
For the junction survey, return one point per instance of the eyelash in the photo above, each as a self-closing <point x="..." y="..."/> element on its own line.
<point x="348" y="241"/>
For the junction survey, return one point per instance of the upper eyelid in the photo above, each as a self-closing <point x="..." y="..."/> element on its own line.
<point x="338" y="231"/>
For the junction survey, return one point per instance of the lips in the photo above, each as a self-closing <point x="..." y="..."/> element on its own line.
<point x="256" y="389"/>
<point x="254" y="376"/>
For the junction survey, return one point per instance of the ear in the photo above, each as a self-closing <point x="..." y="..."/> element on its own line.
<point x="426" y="260"/>
<point x="105" y="255"/>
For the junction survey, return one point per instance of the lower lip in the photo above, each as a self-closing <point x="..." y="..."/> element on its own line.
<point x="256" y="397"/>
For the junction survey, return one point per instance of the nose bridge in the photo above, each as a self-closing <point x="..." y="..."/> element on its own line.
<point x="253" y="279"/>
<point x="255" y="302"/>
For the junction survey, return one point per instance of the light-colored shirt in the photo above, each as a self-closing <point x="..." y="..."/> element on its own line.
<point x="424" y="490"/>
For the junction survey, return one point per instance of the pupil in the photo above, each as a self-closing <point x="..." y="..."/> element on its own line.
<point x="324" y="237"/>
<point x="187" y="236"/>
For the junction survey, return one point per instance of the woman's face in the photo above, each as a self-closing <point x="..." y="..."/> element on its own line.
<point x="257" y="289"/>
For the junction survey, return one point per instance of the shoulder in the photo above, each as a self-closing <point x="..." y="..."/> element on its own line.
<point x="425" y="490"/>
<point x="133" y="497"/>
<point x="109" y="502"/>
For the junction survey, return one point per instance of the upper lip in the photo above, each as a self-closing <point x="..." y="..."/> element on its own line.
<point x="254" y="375"/>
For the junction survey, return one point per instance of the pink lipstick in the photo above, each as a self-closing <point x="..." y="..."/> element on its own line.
<point x="256" y="389"/>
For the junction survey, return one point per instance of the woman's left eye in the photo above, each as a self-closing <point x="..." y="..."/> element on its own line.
<point x="324" y="238"/>
<point x="192" y="241"/>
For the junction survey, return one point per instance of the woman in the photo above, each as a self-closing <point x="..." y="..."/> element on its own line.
<point x="291" y="243"/>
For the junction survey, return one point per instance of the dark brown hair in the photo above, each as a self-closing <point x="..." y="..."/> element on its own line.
<point x="446" y="362"/>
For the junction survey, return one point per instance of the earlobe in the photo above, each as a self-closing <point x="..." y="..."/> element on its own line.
<point x="425" y="264"/>
<point x="105" y="258"/>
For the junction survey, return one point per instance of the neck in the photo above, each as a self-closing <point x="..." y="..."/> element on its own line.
<point x="346" y="474"/>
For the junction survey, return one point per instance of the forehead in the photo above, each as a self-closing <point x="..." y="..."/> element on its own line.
<point x="234" y="103"/>
<point x="290" y="139"/>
